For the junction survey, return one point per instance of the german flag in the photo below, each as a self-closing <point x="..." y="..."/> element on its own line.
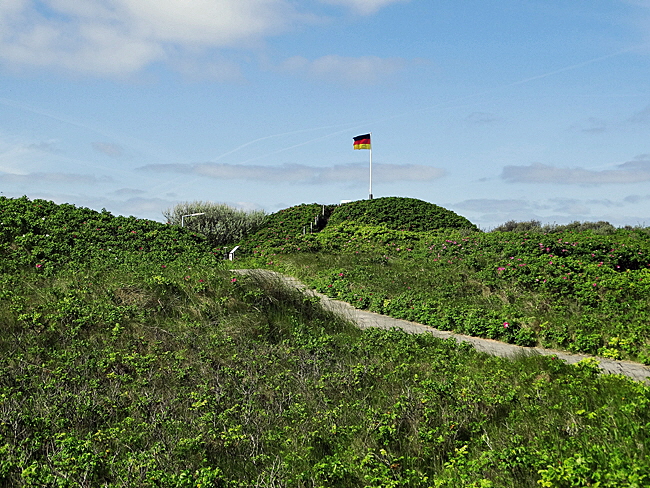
<point x="362" y="142"/>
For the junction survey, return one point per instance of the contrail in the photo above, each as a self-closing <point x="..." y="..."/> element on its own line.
<point x="345" y="127"/>
<point x="27" y="108"/>
<point x="448" y="103"/>
<point x="572" y="67"/>
<point x="282" y="135"/>
<point x="134" y="142"/>
<point x="304" y="143"/>
<point x="452" y="103"/>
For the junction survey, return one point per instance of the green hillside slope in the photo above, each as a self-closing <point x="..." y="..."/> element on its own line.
<point x="400" y="213"/>
<point x="131" y="356"/>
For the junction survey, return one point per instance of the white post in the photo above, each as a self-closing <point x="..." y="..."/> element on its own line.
<point x="231" y="254"/>
<point x="189" y="215"/>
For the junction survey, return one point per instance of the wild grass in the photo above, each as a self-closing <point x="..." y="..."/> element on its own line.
<point x="131" y="357"/>
<point x="188" y="376"/>
<point x="219" y="222"/>
<point x="582" y="292"/>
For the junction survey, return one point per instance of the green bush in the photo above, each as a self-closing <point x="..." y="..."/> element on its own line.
<point x="514" y="226"/>
<point x="400" y="214"/>
<point x="601" y="227"/>
<point x="221" y="223"/>
<point x="577" y="291"/>
<point x="287" y="226"/>
<point x="129" y="356"/>
<point x="46" y="236"/>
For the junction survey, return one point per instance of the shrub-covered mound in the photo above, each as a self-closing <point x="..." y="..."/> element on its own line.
<point x="43" y="234"/>
<point x="129" y="359"/>
<point x="286" y="225"/>
<point x="400" y="213"/>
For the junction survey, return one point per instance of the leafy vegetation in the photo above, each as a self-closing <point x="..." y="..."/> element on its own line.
<point x="47" y="236"/>
<point x="600" y="227"/>
<point x="139" y="364"/>
<point x="576" y="291"/>
<point x="295" y="228"/>
<point x="400" y="214"/>
<point x="220" y="223"/>
<point x="286" y="226"/>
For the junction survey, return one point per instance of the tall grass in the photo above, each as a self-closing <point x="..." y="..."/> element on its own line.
<point x="577" y="291"/>
<point x="221" y="223"/>
<point x="190" y="376"/>
<point x="130" y="357"/>
<point x="600" y="228"/>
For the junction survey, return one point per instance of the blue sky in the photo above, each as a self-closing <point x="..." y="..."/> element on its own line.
<point x="517" y="109"/>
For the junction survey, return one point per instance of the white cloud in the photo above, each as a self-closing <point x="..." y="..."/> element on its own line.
<point x="216" y="23"/>
<point x="47" y="147"/>
<point x="570" y="206"/>
<point x="633" y="171"/>
<point x="128" y="192"/>
<point x="634" y="199"/>
<point x="54" y="39"/>
<point x="363" y="6"/>
<point x="120" y="37"/>
<point x="109" y="149"/>
<point x="493" y="205"/>
<point x="481" y="118"/>
<point x="364" y="69"/>
<point x="591" y="125"/>
<point x="298" y="173"/>
<point x="19" y="157"/>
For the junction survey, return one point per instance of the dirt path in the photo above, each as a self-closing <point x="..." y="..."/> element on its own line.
<point x="365" y="319"/>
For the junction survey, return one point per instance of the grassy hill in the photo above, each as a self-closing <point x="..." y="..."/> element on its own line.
<point x="577" y="290"/>
<point x="132" y="356"/>
<point x="400" y="213"/>
<point x="300" y="226"/>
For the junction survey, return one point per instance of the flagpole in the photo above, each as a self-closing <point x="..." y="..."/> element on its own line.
<point x="370" y="191"/>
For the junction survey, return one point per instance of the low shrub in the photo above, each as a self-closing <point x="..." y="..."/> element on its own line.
<point x="400" y="214"/>
<point x="220" y="223"/>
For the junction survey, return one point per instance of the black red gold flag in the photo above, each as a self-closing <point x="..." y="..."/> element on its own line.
<point x="362" y="141"/>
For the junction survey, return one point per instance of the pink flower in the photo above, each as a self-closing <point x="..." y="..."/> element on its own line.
<point x="39" y="266"/>
<point x="233" y="280"/>
<point x="505" y="325"/>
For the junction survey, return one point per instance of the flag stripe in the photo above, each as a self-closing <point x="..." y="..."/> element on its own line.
<point x="362" y="141"/>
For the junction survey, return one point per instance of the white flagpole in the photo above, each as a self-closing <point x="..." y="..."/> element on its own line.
<point x="370" y="166"/>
